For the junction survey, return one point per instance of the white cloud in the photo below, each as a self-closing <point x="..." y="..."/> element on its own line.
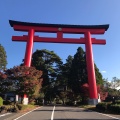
<point x="103" y="71"/>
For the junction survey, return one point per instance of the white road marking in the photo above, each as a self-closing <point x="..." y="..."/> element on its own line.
<point x="26" y="113"/>
<point x="53" y="113"/>
<point x="109" y="116"/>
<point x="4" y="114"/>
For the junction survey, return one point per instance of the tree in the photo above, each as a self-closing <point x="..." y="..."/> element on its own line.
<point x="67" y="68"/>
<point x="112" y="87"/>
<point x="64" y="75"/>
<point x="78" y="72"/>
<point x="99" y="79"/>
<point x="22" y="80"/>
<point x="3" y="58"/>
<point x="85" y="92"/>
<point x="2" y="82"/>
<point x="48" y="62"/>
<point x="115" y="83"/>
<point x="68" y="65"/>
<point x="106" y="83"/>
<point x="62" y="96"/>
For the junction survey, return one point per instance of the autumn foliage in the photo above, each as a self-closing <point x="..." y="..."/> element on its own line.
<point x="2" y="76"/>
<point x="22" y="80"/>
<point x="85" y="91"/>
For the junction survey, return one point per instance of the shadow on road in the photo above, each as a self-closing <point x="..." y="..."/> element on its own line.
<point x="66" y="110"/>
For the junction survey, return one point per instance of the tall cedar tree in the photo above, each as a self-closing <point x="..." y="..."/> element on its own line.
<point x="64" y="76"/>
<point x="48" y="62"/>
<point x="3" y="58"/>
<point x="78" y="72"/>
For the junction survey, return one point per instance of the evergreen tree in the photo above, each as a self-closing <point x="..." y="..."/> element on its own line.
<point x="48" y="62"/>
<point x="68" y="64"/>
<point x="3" y="58"/>
<point x="99" y="79"/>
<point x="78" y="72"/>
<point x="65" y="74"/>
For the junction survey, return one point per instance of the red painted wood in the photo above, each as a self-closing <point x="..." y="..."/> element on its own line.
<point x="59" y="39"/>
<point x="55" y="29"/>
<point x="90" y="67"/>
<point x="29" y="48"/>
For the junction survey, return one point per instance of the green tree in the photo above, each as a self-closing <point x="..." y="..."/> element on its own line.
<point x="3" y="58"/>
<point x="115" y="83"/>
<point x="64" y="76"/>
<point x="78" y="72"/>
<point x="63" y="96"/>
<point x="67" y="67"/>
<point x="99" y="78"/>
<point x="48" y="62"/>
<point x="3" y="82"/>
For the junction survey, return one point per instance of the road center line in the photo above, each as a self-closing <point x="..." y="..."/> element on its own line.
<point x="53" y="113"/>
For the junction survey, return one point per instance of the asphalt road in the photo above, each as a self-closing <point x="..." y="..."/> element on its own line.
<point x="59" y="113"/>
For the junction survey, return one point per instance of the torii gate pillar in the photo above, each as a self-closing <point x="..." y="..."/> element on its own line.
<point x="59" y="29"/>
<point x="29" y="48"/>
<point x="91" y="70"/>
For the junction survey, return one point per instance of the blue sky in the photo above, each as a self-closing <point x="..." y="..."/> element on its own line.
<point x="77" y="12"/>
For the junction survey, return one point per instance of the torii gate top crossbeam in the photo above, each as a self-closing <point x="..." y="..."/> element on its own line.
<point x="59" y="29"/>
<point x="54" y="28"/>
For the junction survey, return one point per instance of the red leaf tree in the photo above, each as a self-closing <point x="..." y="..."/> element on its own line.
<point x="85" y="92"/>
<point x="23" y="80"/>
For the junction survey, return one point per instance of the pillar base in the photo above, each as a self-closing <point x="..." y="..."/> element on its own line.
<point x="92" y="101"/>
<point x="25" y="101"/>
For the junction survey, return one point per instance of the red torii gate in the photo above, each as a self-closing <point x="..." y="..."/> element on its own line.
<point x="59" y="29"/>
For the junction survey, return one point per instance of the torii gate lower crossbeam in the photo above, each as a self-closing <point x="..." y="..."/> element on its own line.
<point x="59" y="29"/>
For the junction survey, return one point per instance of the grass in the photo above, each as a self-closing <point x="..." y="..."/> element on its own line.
<point x="90" y="107"/>
<point x="26" y="107"/>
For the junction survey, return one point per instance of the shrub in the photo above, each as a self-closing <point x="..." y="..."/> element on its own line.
<point x="115" y="108"/>
<point x="1" y="101"/>
<point x="109" y="107"/>
<point x="117" y="101"/>
<point x="6" y="102"/>
<point x="103" y="106"/>
<point x="3" y="109"/>
<point x="32" y="103"/>
<point x="70" y="103"/>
